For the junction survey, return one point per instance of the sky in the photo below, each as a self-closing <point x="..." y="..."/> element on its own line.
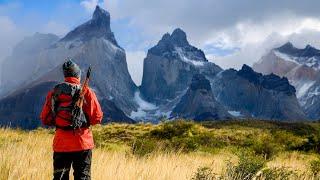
<point x="230" y="32"/>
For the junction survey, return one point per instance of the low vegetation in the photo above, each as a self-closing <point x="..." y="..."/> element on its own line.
<point x="246" y="149"/>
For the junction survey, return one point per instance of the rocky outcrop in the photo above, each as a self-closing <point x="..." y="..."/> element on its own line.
<point x="199" y="103"/>
<point x="301" y="67"/>
<point x="97" y="27"/>
<point x="170" y="65"/>
<point x="256" y="95"/>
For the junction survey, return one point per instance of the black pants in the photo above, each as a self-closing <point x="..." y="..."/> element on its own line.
<point x="80" y="161"/>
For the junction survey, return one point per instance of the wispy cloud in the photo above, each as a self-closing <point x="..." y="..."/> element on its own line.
<point x="55" y="28"/>
<point x="89" y="5"/>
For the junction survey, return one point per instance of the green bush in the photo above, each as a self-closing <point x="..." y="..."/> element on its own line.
<point x="315" y="167"/>
<point x="277" y="173"/>
<point x="247" y="167"/>
<point x="208" y="140"/>
<point x="265" y="147"/>
<point x="312" y="144"/>
<point x="178" y="128"/>
<point x="288" y="140"/>
<point x="142" y="147"/>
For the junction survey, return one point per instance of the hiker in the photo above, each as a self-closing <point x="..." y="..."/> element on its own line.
<point x="71" y="146"/>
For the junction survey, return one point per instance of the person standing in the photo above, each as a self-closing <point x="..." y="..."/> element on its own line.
<point x="72" y="146"/>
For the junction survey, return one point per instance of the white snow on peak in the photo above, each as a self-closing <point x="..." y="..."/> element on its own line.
<point x="187" y="60"/>
<point x="144" y="106"/>
<point x="285" y="57"/>
<point x="142" y="103"/>
<point x="303" y="89"/>
<point x="235" y="113"/>
<point x="111" y="46"/>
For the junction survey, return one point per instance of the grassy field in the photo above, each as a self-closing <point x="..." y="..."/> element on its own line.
<point x="176" y="150"/>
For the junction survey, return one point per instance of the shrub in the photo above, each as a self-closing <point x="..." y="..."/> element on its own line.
<point x="315" y="167"/>
<point x="208" y="140"/>
<point x="247" y="167"/>
<point x="289" y="140"/>
<point x="142" y="147"/>
<point x="203" y="173"/>
<point x="277" y="173"/>
<point x="265" y="147"/>
<point x="312" y="144"/>
<point x="178" y="128"/>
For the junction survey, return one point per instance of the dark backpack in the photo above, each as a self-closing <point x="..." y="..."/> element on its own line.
<point x="78" y="118"/>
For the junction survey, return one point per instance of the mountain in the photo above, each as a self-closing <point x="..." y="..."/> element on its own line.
<point x="301" y="67"/>
<point x="252" y="94"/>
<point x="22" y="64"/>
<point x="170" y="66"/>
<point x="97" y="27"/>
<point x="92" y="43"/>
<point x="167" y="73"/>
<point x="199" y="103"/>
<point x="309" y="55"/>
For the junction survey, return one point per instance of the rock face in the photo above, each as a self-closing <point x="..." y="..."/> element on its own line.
<point x="309" y="55"/>
<point x="301" y="67"/>
<point x="256" y="95"/>
<point x="93" y="44"/>
<point x="22" y="109"/>
<point x="23" y="62"/>
<point x="199" y="103"/>
<point x="170" y="65"/>
<point x="97" y="27"/>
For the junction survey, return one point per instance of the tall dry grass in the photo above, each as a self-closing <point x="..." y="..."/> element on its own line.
<point x="28" y="155"/>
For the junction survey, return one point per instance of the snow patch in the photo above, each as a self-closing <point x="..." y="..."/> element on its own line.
<point x="144" y="106"/>
<point x="235" y="113"/>
<point x="140" y="114"/>
<point x="187" y="60"/>
<point x="285" y="57"/>
<point x="111" y="46"/>
<point x="163" y="114"/>
<point x="142" y="103"/>
<point x="301" y="91"/>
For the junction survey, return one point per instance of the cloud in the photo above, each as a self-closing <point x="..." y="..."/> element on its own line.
<point x="245" y="29"/>
<point x="135" y="65"/>
<point x="89" y="5"/>
<point x="9" y="35"/>
<point x="55" y="28"/>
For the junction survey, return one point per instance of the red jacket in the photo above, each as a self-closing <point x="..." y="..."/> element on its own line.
<point x="68" y="140"/>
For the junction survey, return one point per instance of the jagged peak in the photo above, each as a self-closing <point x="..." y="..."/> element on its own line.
<point x="308" y="46"/>
<point x="165" y="37"/>
<point x="177" y="38"/>
<point x="245" y="67"/>
<point x="100" y="13"/>
<point x="98" y="26"/>
<point x="288" y="44"/>
<point x="287" y="47"/>
<point x="271" y="81"/>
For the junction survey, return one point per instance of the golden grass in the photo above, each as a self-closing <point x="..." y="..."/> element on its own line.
<point x="28" y="155"/>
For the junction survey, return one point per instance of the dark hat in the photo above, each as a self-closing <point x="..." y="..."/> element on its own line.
<point x="71" y="69"/>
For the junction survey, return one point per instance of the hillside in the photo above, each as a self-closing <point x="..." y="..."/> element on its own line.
<point x="177" y="150"/>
